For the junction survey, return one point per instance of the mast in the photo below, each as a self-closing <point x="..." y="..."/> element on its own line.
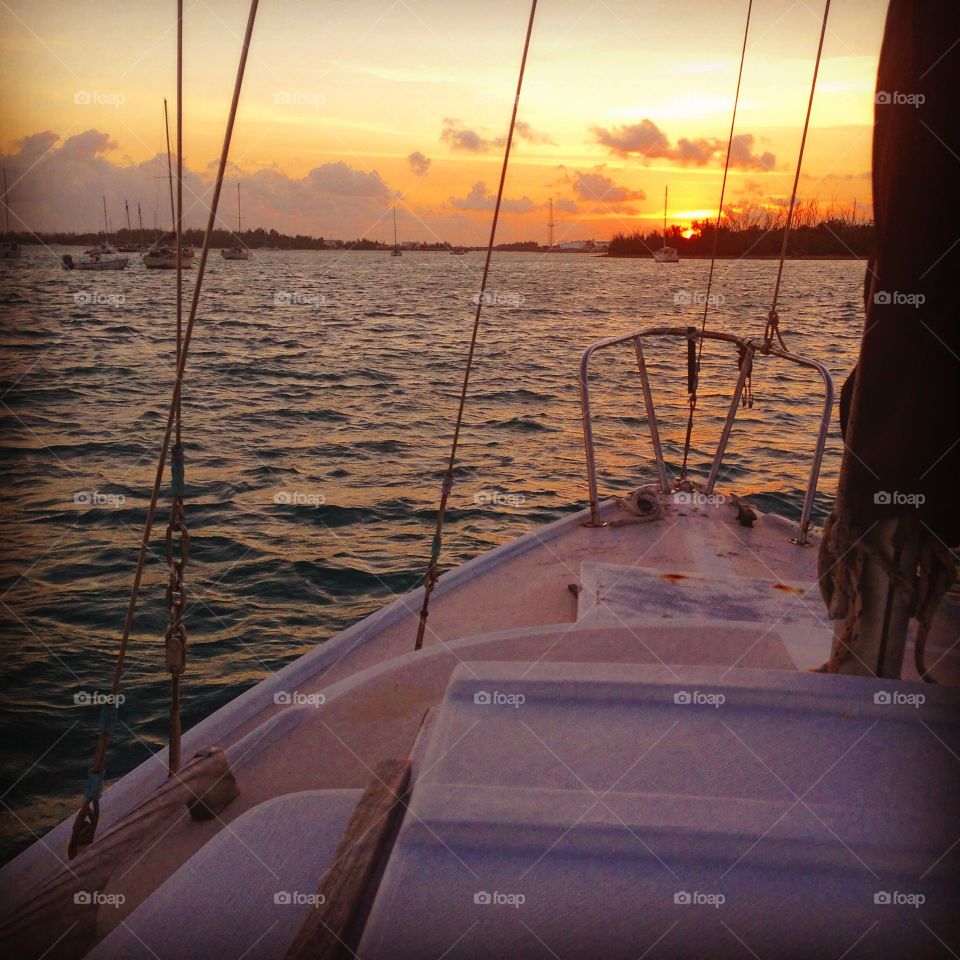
<point x="166" y="124"/>
<point x="395" y="245"/>
<point x="666" y="193"/>
<point x="6" y="205"/>
<point x="106" y="226"/>
<point x="550" y="226"/>
<point x="238" y="211"/>
<point x="140" y="217"/>
<point x="126" y="206"/>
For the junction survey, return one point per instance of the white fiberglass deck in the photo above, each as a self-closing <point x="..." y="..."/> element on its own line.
<point x="594" y="810"/>
<point x="363" y="695"/>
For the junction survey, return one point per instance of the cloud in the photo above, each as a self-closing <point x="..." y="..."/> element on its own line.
<point x="465" y="140"/>
<point x="479" y="199"/>
<point x="742" y="155"/>
<point x="644" y="137"/>
<point x="525" y="132"/>
<point x="648" y="141"/>
<point x="419" y="163"/>
<point x="57" y="186"/>
<point x="341" y="179"/>
<point x="565" y="206"/>
<point x="32" y="148"/>
<point x="597" y="187"/>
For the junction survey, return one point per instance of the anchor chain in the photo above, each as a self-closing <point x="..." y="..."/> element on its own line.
<point x="177" y="541"/>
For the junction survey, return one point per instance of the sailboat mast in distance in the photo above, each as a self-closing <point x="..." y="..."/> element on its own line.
<point x="396" y="245"/>
<point x="666" y="193"/>
<point x="6" y="206"/>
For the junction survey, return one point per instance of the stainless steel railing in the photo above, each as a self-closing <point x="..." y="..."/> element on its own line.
<point x="751" y="350"/>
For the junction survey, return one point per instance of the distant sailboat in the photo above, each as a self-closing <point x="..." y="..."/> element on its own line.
<point x="162" y="255"/>
<point x="128" y="247"/>
<point x="100" y="257"/>
<point x="396" y="252"/>
<point x="665" y="254"/>
<point x="237" y="252"/>
<point x="9" y="249"/>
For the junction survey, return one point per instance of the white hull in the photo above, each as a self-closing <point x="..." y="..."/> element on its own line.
<point x="116" y="263"/>
<point x="235" y="254"/>
<point x="666" y="255"/>
<point x="96" y="263"/>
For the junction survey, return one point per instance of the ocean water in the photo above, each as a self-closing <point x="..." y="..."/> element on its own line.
<point x="318" y="412"/>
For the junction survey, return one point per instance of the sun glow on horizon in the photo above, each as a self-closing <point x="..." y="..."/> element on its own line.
<point x="399" y="106"/>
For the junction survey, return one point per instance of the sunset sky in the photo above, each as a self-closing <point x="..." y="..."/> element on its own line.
<point x="350" y="106"/>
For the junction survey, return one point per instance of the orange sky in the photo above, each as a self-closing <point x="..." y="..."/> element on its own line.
<point x="621" y="98"/>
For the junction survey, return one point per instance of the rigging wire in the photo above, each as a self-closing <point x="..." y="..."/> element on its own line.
<point x="432" y="574"/>
<point x="85" y="824"/>
<point x="176" y="637"/>
<point x="772" y="328"/>
<point x="773" y="320"/>
<point x="713" y="255"/>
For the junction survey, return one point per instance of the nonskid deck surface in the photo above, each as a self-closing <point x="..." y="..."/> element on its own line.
<point x="324" y="721"/>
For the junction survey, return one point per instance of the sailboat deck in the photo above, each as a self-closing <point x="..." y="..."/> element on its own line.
<point x="325" y="720"/>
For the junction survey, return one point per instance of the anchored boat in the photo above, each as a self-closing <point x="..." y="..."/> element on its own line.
<point x="238" y="252"/>
<point x="163" y="256"/>
<point x="666" y="254"/>
<point x="636" y="731"/>
<point x="167" y="252"/>
<point x="9" y="249"/>
<point x="103" y="256"/>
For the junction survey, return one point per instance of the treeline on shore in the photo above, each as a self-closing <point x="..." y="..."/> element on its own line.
<point x="258" y="239"/>
<point x="757" y="231"/>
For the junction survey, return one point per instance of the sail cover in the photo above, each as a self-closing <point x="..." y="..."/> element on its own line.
<point x="902" y="416"/>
